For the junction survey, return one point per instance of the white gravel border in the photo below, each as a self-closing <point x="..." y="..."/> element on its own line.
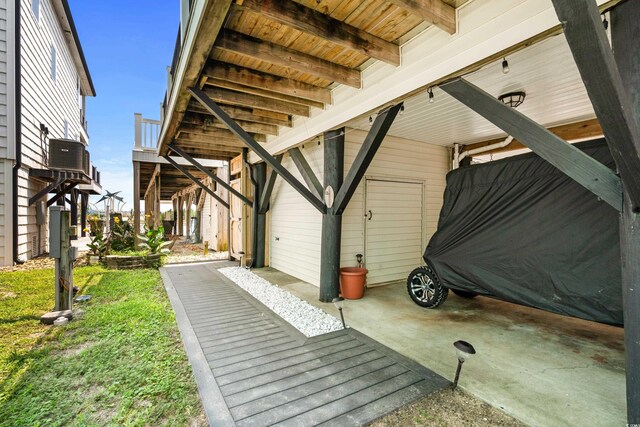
<point x="309" y="320"/>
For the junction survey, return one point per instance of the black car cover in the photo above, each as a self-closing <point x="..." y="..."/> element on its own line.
<point x="522" y="231"/>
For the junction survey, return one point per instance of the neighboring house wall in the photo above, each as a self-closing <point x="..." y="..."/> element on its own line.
<point x="7" y="128"/>
<point x="296" y="226"/>
<point x="54" y="102"/>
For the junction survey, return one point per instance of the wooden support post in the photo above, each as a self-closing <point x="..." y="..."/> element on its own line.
<point x="136" y="199"/>
<point x="365" y="156"/>
<point x="157" y="215"/>
<point x="175" y="216"/>
<point x="307" y="173"/>
<point x="260" y="176"/>
<point x="625" y="25"/>
<point x="59" y="197"/>
<point x="332" y="220"/>
<point x="211" y="175"/>
<point x="180" y="221"/>
<point x="73" y="203"/>
<point x="188" y="215"/>
<point x="65" y="282"/>
<point x="198" y="195"/>
<point x="265" y="196"/>
<point x="84" y="205"/>
<point x="219" y="113"/>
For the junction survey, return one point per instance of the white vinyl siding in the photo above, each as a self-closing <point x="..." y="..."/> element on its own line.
<point x="43" y="101"/>
<point x="35" y="9"/>
<point x="7" y="138"/>
<point x="296" y="225"/>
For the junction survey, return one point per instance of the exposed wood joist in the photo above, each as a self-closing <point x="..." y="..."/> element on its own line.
<point x="214" y="134"/>
<point x="261" y="92"/>
<point x="571" y="132"/>
<point x="152" y="180"/>
<point x="212" y="20"/>
<point x="208" y="121"/>
<point x="232" y="97"/>
<point x="63" y="191"/>
<point x="579" y="166"/>
<point x="210" y="154"/>
<point x="258" y="149"/>
<point x="257" y="79"/>
<point x="234" y="42"/>
<point x="239" y="113"/>
<point x="312" y="22"/>
<point x="592" y="53"/>
<point x="436" y="12"/>
<point x="207" y="147"/>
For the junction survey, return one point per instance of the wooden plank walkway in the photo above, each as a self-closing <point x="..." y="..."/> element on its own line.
<point x="254" y="369"/>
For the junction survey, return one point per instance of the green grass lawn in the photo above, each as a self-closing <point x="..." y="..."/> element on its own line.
<point x="120" y="363"/>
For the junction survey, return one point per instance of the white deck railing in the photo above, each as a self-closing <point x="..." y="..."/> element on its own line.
<point x="147" y="132"/>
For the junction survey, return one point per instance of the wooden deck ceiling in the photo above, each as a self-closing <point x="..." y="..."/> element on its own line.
<point x="265" y="61"/>
<point x="172" y="180"/>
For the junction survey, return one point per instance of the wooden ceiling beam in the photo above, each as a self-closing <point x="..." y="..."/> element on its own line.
<point x="209" y="154"/>
<point x="245" y="100"/>
<point x="318" y="24"/>
<point x="231" y="41"/>
<point x="571" y="132"/>
<point x="239" y="113"/>
<point x="212" y="133"/>
<point x="210" y="121"/>
<point x="435" y="12"/>
<point x="257" y="79"/>
<point x="210" y="81"/>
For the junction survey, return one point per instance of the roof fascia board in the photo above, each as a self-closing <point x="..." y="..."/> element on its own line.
<point x="485" y="28"/>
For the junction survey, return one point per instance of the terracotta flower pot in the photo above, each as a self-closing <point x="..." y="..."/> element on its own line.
<point x="352" y="281"/>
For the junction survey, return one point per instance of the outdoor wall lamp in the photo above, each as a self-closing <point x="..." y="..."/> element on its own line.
<point x="464" y="350"/>
<point x="339" y="303"/>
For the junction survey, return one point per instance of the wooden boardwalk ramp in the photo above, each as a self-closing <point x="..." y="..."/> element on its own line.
<point x="254" y="369"/>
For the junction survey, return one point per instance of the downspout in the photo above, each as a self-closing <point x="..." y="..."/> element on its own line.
<point x="18" y="131"/>
<point x="254" y="211"/>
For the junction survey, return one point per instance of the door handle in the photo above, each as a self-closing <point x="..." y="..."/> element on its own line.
<point x="370" y="215"/>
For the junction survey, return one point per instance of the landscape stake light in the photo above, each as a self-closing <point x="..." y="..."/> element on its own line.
<point x="339" y="302"/>
<point x="464" y="350"/>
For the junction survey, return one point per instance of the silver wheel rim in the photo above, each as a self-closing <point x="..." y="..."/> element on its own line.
<point x="423" y="287"/>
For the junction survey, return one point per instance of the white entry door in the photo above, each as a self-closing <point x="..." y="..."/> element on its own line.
<point x="393" y="229"/>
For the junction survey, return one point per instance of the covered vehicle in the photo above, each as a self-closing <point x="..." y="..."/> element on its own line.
<point x="520" y="230"/>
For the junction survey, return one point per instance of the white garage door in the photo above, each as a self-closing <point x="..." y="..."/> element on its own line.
<point x="393" y="229"/>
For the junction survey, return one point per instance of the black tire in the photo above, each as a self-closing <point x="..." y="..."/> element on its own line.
<point x="425" y="289"/>
<point x="464" y="294"/>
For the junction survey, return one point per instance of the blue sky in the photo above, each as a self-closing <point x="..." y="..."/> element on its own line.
<point x="127" y="45"/>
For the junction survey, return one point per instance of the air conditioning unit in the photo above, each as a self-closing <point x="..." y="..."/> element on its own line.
<point x="87" y="163"/>
<point x="66" y="154"/>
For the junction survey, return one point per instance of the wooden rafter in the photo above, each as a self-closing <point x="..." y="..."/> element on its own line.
<point x="239" y="113"/>
<point x="252" y="78"/>
<point x="212" y="134"/>
<point x="208" y="121"/>
<point x="246" y="100"/>
<point x="571" y="132"/>
<point x="436" y="12"/>
<point x="261" y="92"/>
<point x="312" y="22"/>
<point x="238" y="43"/>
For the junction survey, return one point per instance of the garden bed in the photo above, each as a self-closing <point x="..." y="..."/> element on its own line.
<point x="131" y="262"/>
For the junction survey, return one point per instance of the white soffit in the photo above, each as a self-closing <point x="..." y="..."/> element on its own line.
<point x="545" y="71"/>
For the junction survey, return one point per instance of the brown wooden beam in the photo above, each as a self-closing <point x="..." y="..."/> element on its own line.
<point x="257" y="79"/>
<point x="239" y="113"/>
<point x="210" y="121"/>
<point x="435" y="12"/>
<point x="571" y="132"/>
<point x="261" y="92"/>
<point x="245" y="100"/>
<point x="214" y="133"/>
<point x="233" y="42"/>
<point x="318" y="24"/>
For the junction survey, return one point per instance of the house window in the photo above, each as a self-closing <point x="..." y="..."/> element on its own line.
<point x="35" y="8"/>
<point x="53" y="63"/>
